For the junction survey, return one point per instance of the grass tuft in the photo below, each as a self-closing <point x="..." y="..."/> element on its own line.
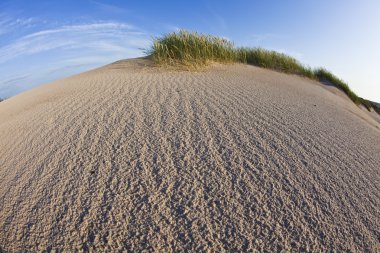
<point x="195" y="50"/>
<point x="191" y="49"/>
<point x="326" y="76"/>
<point x="273" y="60"/>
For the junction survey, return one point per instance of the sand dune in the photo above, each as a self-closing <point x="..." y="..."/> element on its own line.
<point x="236" y="158"/>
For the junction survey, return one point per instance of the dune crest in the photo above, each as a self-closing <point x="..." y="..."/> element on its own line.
<point x="234" y="158"/>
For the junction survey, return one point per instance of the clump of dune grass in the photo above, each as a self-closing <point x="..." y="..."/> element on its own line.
<point x="192" y="49"/>
<point x="326" y="76"/>
<point x="273" y="60"/>
<point x="367" y="104"/>
<point x="375" y="106"/>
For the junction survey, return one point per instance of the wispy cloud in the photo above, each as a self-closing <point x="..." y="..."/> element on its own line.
<point x="264" y="36"/>
<point x="14" y="80"/>
<point x="87" y="28"/>
<point x="106" y="36"/>
<point x="11" y="85"/>
<point x="48" y="54"/>
<point x="8" y="24"/>
<point x="109" y="7"/>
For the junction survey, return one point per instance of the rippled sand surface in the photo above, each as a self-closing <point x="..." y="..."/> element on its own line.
<point x="131" y="157"/>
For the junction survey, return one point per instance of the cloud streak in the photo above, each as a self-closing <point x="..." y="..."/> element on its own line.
<point x="109" y="7"/>
<point x="8" y="24"/>
<point x="109" y="36"/>
<point x="264" y="36"/>
<point x="48" y="54"/>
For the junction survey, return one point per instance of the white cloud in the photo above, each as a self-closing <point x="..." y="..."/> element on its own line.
<point x="106" y="36"/>
<point x="54" y="53"/>
<point x="86" y="28"/>
<point x="109" y="7"/>
<point x="14" y="79"/>
<point x="8" y="24"/>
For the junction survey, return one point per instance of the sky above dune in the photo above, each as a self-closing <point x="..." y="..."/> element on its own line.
<point x="41" y="41"/>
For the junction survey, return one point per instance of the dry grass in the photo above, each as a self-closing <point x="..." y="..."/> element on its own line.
<point x="194" y="50"/>
<point x="324" y="76"/>
<point x="191" y="49"/>
<point x="273" y="60"/>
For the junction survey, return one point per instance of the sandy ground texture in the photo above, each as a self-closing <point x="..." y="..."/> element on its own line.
<point x="131" y="157"/>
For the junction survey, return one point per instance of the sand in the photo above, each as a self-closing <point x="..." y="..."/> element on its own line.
<point x="131" y="157"/>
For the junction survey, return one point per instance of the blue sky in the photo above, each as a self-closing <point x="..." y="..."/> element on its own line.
<point x="41" y="41"/>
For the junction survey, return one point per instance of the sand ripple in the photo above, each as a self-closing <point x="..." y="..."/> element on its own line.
<point x="131" y="157"/>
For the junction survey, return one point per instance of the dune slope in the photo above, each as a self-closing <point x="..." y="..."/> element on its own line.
<point x="235" y="158"/>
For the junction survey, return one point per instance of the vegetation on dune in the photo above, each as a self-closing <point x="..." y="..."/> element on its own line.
<point x="273" y="60"/>
<point x="375" y="107"/>
<point x="191" y="49"/>
<point x="194" y="50"/>
<point x="326" y="76"/>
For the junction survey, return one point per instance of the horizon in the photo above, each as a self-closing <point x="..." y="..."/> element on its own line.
<point x="48" y="40"/>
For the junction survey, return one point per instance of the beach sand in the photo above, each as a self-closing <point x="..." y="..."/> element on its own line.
<point x="233" y="158"/>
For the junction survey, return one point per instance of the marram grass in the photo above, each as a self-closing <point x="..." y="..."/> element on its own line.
<point x="195" y="50"/>
<point x="273" y="60"/>
<point x="326" y="76"/>
<point x="191" y="49"/>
